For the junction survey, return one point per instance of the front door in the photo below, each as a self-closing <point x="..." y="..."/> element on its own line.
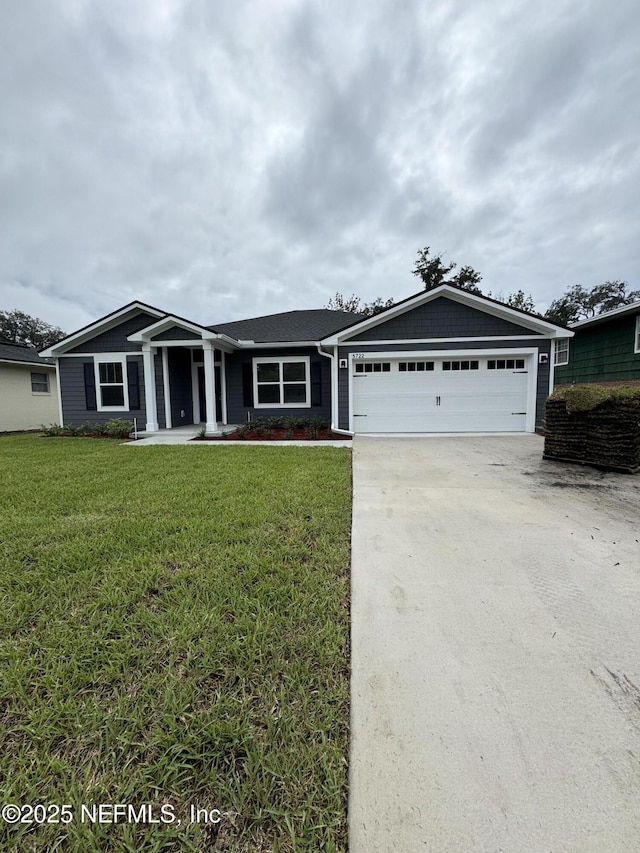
<point x="201" y="394"/>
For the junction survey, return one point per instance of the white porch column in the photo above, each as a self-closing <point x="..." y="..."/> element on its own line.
<point x="209" y="388"/>
<point x="150" y="389"/>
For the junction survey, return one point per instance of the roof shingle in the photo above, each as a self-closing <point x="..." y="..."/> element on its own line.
<point x="18" y="352"/>
<point x="311" y="325"/>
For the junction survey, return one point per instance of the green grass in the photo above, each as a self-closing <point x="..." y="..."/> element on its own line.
<point x="585" y="398"/>
<point x="175" y="631"/>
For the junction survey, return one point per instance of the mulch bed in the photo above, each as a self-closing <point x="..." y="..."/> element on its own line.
<point x="277" y="434"/>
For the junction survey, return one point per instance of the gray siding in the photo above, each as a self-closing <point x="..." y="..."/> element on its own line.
<point x="543" y="345"/>
<point x="175" y="333"/>
<point x="115" y="340"/>
<point x="237" y="412"/>
<point x="442" y="318"/>
<point x="74" y="408"/>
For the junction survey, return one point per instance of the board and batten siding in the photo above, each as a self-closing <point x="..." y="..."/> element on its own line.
<point x="543" y="345"/>
<point x="442" y="318"/>
<point x="602" y="353"/>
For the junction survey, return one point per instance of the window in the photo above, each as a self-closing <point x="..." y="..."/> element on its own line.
<point x="411" y="366"/>
<point x="373" y="366"/>
<point x="460" y="365"/>
<point x="561" y="351"/>
<point x="282" y="382"/>
<point x="40" y="383"/>
<point x="505" y="364"/>
<point x="111" y="385"/>
<point x="636" y="347"/>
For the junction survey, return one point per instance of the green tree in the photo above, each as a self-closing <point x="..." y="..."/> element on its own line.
<point x="16" y="327"/>
<point x="433" y="272"/>
<point x="355" y="305"/>
<point x="518" y="299"/>
<point x="578" y="303"/>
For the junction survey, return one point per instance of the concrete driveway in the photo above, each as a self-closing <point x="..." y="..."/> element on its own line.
<point x="496" y="650"/>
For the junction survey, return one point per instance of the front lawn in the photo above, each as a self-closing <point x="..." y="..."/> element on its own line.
<point x="174" y="633"/>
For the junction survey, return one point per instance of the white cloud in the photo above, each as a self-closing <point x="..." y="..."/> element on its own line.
<point x="227" y="160"/>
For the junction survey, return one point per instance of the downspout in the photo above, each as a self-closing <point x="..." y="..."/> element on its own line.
<point x="334" y="396"/>
<point x="59" y="390"/>
<point x="552" y="365"/>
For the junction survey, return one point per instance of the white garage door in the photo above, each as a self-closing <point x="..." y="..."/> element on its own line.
<point x="487" y="394"/>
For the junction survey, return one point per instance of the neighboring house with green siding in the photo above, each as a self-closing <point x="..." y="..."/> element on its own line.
<point x="605" y="348"/>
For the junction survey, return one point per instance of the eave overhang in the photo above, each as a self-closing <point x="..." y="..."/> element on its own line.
<point x="99" y="326"/>
<point x="528" y="321"/>
<point x="149" y="334"/>
<point x="614" y="314"/>
<point x="28" y="363"/>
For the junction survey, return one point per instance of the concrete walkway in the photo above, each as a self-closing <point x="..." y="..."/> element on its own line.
<point x="495" y="650"/>
<point x="186" y="434"/>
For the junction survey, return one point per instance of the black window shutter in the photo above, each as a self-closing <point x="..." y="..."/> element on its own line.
<point x="90" y="387"/>
<point x="247" y="384"/>
<point x="316" y="383"/>
<point x="134" y="384"/>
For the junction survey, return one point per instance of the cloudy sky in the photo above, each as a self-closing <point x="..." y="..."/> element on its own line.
<point x="230" y="159"/>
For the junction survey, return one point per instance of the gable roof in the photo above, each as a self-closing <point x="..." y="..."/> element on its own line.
<point x="310" y="325"/>
<point x="101" y="325"/>
<point x="23" y="354"/>
<point x="614" y="314"/>
<point x="480" y="302"/>
<point x="172" y="323"/>
<point x="290" y="326"/>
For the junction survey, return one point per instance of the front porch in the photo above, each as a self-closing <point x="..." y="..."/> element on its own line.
<point x="181" y="434"/>
<point x="184" y="379"/>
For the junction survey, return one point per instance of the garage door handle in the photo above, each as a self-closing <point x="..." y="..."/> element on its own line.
<point x="359" y="416"/>
<point x="518" y="413"/>
<point x="437" y="401"/>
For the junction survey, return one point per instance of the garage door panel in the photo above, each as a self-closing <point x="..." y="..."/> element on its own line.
<point x="439" y="400"/>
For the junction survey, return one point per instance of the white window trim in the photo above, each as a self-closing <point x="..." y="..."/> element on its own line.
<point x="636" y="346"/>
<point x="557" y="361"/>
<point x="282" y="359"/>
<point x="109" y="358"/>
<point x="46" y="393"/>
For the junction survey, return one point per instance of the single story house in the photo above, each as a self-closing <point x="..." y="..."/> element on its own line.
<point x="605" y="348"/>
<point x="28" y="389"/>
<point x="443" y="360"/>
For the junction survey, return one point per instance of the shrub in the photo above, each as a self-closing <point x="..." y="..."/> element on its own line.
<point x="241" y="432"/>
<point x="319" y="423"/>
<point x="118" y="428"/>
<point x="52" y="429"/>
<point x="290" y="423"/>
